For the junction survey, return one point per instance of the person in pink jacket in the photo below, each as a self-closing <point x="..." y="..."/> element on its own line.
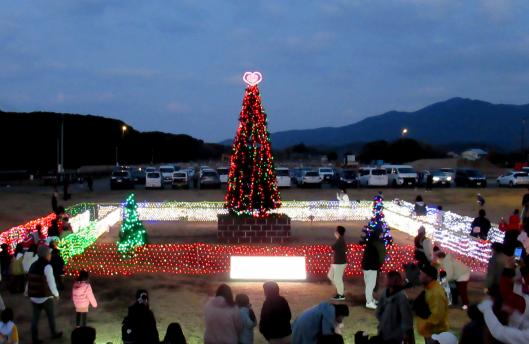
<point x="82" y="297"/>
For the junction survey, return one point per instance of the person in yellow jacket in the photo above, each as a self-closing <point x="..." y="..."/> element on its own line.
<point x="433" y="318"/>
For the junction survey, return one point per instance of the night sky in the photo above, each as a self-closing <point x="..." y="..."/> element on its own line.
<point x="176" y="66"/>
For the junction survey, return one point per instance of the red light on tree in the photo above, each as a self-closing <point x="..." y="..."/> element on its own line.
<point x="252" y="184"/>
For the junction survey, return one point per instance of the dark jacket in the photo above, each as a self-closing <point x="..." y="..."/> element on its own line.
<point x="143" y="324"/>
<point x="57" y="263"/>
<point x="37" y="283"/>
<point x="420" y="208"/>
<point x="275" y="318"/>
<point x="395" y="318"/>
<point x="340" y="251"/>
<point x="373" y="255"/>
<point x="484" y="224"/>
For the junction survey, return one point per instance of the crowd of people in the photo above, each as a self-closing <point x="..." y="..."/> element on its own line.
<point x="37" y="269"/>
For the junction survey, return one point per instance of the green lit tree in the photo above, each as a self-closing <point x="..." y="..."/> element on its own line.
<point x="132" y="232"/>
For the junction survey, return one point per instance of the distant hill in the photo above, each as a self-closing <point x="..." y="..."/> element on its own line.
<point x="30" y="141"/>
<point x="455" y="122"/>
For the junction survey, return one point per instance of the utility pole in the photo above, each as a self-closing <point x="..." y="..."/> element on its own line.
<point x="62" y="143"/>
<point x="522" y="147"/>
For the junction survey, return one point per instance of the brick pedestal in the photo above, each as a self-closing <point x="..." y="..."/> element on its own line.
<point x="247" y="230"/>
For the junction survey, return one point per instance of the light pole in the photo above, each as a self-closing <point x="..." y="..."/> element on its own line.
<point x="123" y="130"/>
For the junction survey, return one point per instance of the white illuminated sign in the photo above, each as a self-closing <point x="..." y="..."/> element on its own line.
<point x="268" y="268"/>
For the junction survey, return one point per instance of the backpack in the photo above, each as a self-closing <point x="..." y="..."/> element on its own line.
<point x="16" y="267"/>
<point x="127" y="331"/>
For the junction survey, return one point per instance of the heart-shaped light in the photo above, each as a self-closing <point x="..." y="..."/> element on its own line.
<point x="252" y="78"/>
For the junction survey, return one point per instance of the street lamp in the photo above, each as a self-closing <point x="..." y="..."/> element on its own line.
<point x="404" y="132"/>
<point x="123" y="130"/>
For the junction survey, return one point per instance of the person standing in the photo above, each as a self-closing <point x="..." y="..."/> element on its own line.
<point x="82" y="297"/>
<point x="429" y="182"/>
<point x="480" y="226"/>
<point x="57" y="263"/>
<point x="525" y="209"/>
<point x="5" y="262"/>
<point x="456" y="272"/>
<point x="339" y="263"/>
<point x="18" y="281"/>
<point x="423" y="247"/>
<point x="395" y="318"/>
<point x="480" y="200"/>
<point x="41" y="291"/>
<point x="275" y="319"/>
<point x="248" y="318"/>
<point x="495" y="267"/>
<point x="431" y="306"/>
<point x="223" y="320"/>
<point x="374" y="256"/>
<point x="139" y="326"/>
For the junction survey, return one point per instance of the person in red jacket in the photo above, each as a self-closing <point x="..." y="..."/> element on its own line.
<point x="514" y="221"/>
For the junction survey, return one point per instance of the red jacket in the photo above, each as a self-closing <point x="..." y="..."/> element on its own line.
<point x="514" y="223"/>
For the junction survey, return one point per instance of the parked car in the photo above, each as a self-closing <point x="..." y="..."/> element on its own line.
<point x="150" y="169"/>
<point x="209" y="179"/>
<point x="295" y="175"/>
<point x="167" y="173"/>
<point x="121" y="179"/>
<point x="311" y="178"/>
<point x="372" y="176"/>
<point x="153" y="180"/>
<point x="138" y="175"/>
<point x="449" y="171"/>
<point x="326" y="173"/>
<point x="180" y="180"/>
<point x="470" y="177"/>
<point x="401" y="175"/>
<point x="439" y="178"/>
<point x="347" y="179"/>
<point x="223" y="174"/>
<point x="283" y="177"/>
<point x="513" y="178"/>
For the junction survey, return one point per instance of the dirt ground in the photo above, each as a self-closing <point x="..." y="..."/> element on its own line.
<point x="181" y="299"/>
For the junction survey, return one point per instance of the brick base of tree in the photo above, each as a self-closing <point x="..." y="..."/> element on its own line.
<point x="274" y="229"/>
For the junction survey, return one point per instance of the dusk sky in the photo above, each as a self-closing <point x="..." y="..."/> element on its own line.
<point x="176" y="66"/>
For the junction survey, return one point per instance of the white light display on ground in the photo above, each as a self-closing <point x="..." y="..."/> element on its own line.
<point x="268" y="268"/>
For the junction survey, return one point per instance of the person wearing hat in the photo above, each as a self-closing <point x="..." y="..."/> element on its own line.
<point x="444" y="338"/>
<point x="41" y="291"/>
<point x="435" y="318"/>
<point x="423" y="247"/>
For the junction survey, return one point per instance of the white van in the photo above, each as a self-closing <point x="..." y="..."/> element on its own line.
<point x="167" y="173"/>
<point x="401" y="175"/>
<point x="372" y="176"/>
<point x="153" y="180"/>
<point x="283" y="177"/>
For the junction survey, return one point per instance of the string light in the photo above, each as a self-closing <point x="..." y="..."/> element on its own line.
<point x="252" y="184"/>
<point x="103" y="259"/>
<point x="447" y="229"/>
<point x="132" y="233"/>
<point x="377" y="225"/>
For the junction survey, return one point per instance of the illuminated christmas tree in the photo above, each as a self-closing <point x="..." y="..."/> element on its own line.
<point x="132" y="232"/>
<point x="252" y="184"/>
<point x="377" y="224"/>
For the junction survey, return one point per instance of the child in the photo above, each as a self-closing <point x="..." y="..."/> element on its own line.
<point x="82" y="297"/>
<point x="8" y="330"/>
<point x="248" y="318"/>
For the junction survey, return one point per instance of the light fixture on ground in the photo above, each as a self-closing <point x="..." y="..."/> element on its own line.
<point x="268" y="268"/>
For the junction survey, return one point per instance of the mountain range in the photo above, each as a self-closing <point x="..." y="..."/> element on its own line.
<point x="456" y="122"/>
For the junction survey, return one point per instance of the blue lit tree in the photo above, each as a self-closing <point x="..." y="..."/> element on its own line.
<point x="377" y="224"/>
